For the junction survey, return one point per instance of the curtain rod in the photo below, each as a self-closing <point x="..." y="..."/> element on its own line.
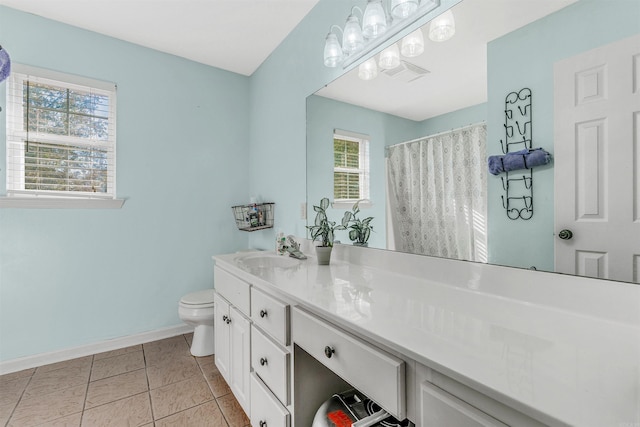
<point x="436" y="134"/>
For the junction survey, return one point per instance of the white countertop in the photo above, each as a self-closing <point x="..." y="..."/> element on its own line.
<point x="559" y="348"/>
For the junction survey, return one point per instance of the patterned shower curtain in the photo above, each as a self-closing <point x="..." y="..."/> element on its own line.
<point x="437" y="194"/>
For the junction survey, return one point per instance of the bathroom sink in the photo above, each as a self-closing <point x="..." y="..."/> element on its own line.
<point x="267" y="260"/>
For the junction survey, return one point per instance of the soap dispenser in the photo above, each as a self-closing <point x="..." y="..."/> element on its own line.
<point x="281" y="246"/>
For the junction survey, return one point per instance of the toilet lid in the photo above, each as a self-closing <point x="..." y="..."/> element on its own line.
<point x="199" y="297"/>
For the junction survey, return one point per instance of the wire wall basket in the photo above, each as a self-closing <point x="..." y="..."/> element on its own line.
<point x="252" y="217"/>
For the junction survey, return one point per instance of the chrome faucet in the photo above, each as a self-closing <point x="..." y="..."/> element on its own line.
<point x="294" y="248"/>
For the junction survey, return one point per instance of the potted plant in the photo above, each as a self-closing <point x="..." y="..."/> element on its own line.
<point x="359" y="230"/>
<point x="323" y="230"/>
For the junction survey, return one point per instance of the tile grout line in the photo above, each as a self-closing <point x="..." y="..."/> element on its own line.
<point x="146" y="375"/>
<point x="13" y="411"/>
<point x="215" y="399"/>
<point x="86" y="391"/>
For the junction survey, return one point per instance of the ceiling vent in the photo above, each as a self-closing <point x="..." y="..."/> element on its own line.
<point x="406" y="72"/>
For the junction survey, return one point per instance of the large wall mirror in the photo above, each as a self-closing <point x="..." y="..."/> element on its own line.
<point x="452" y="97"/>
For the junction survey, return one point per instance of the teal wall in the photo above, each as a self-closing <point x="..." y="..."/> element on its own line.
<point x="323" y="116"/>
<point x="525" y="58"/>
<point x="71" y="277"/>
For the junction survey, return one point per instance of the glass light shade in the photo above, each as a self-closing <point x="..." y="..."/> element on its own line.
<point x="352" y="39"/>
<point x="402" y="9"/>
<point x="413" y="44"/>
<point x="368" y="70"/>
<point x="389" y="58"/>
<point x="374" y="20"/>
<point x="332" y="51"/>
<point x="443" y="27"/>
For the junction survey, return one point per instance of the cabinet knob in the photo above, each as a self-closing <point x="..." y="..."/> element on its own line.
<point x="263" y="424"/>
<point x="328" y="351"/>
<point x="263" y="313"/>
<point x="224" y="318"/>
<point x="263" y="361"/>
<point x="228" y="320"/>
<point x="565" y="234"/>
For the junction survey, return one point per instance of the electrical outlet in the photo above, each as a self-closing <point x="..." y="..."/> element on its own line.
<point x="303" y="210"/>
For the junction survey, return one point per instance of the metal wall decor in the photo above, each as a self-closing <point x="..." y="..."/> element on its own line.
<point x="518" y="185"/>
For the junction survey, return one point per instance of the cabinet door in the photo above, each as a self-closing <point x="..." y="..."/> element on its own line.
<point x="221" y="336"/>
<point x="439" y="408"/>
<point x="240" y="358"/>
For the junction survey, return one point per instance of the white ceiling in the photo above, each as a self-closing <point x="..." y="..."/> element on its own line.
<point x="234" y="35"/>
<point x="458" y="67"/>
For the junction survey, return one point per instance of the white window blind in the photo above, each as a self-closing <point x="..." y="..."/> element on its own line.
<point x="61" y="135"/>
<point x="351" y="166"/>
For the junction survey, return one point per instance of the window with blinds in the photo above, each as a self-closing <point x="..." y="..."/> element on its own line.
<point x="61" y="135"/>
<point x="350" y="167"/>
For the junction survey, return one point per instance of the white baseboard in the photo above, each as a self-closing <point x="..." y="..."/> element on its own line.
<point x="36" y="360"/>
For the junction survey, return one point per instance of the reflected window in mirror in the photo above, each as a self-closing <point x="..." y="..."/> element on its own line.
<point x="350" y="167"/>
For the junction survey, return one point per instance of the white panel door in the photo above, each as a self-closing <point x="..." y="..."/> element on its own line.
<point x="597" y="161"/>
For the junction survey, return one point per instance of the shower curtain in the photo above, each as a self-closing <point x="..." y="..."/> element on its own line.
<point x="437" y="192"/>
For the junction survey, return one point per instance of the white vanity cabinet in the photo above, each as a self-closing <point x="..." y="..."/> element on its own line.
<point x="232" y="330"/>
<point x="431" y="350"/>
<point x="252" y="348"/>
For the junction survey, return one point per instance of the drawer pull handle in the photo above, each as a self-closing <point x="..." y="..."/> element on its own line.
<point x="263" y="361"/>
<point x="328" y="351"/>
<point x="263" y="424"/>
<point x="263" y="313"/>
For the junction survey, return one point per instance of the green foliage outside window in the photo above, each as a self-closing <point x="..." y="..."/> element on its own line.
<point x="346" y="184"/>
<point x="59" y="111"/>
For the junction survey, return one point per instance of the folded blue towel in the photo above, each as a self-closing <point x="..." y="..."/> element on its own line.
<point x="5" y="64"/>
<point x="523" y="159"/>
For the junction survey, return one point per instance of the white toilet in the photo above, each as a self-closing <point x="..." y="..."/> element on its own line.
<point x="196" y="309"/>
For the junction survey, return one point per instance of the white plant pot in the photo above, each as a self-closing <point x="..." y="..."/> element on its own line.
<point x="324" y="254"/>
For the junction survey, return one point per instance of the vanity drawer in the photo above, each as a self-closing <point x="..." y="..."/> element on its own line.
<point x="374" y="372"/>
<point x="234" y="290"/>
<point x="266" y="411"/>
<point x="438" y="408"/>
<point x="271" y="315"/>
<point x="271" y="364"/>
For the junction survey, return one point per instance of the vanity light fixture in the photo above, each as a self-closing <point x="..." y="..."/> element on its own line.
<point x="402" y="9"/>
<point x="443" y="27"/>
<point x="390" y="57"/>
<point x="378" y="26"/>
<point x="368" y="70"/>
<point x="352" y="38"/>
<point x="333" y="54"/>
<point x="413" y="44"/>
<point x="374" y="20"/>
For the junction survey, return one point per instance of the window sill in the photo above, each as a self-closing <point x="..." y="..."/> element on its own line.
<point x="348" y="205"/>
<point x="58" y="203"/>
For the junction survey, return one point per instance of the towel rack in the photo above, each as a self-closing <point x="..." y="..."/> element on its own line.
<point x="518" y="187"/>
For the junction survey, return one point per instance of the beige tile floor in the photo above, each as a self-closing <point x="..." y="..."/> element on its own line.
<point x="155" y="384"/>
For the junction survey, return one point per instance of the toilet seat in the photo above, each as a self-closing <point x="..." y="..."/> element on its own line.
<point x="199" y="298"/>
